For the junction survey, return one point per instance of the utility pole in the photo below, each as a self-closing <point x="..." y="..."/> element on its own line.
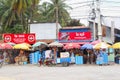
<point x="112" y="31"/>
<point x="99" y="19"/>
<point x="56" y="21"/>
<point x="92" y="16"/>
<point x="94" y="28"/>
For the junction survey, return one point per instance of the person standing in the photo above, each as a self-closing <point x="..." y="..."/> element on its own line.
<point x="85" y="56"/>
<point x="105" y="57"/>
<point x="91" y="57"/>
<point x="42" y="57"/>
<point x="1" y="57"/>
<point x="99" y="59"/>
<point x="5" y="55"/>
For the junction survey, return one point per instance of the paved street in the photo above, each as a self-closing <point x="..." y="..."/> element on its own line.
<point x="73" y="72"/>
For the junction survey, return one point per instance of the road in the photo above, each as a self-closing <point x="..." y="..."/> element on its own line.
<point x="73" y="72"/>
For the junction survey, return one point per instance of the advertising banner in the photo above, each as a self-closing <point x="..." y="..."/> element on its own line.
<point x="20" y="38"/>
<point x="74" y="36"/>
<point x="64" y="54"/>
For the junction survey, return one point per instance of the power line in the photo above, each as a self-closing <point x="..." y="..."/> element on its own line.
<point x="89" y="3"/>
<point x="112" y="16"/>
<point x="78" y="7"/>
<point x="80" y="2"/>
<point x="102" y="16"/>
<point x="102" y="9"/>
<point x="111" y="1"/>
<point x="82" y="6"/>
<point x="110" y="6"/>
<point x="80" y="16"/>
<point x="110" y="10"/>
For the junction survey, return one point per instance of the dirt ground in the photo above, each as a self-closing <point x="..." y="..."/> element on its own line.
<point x="72" y="72"/>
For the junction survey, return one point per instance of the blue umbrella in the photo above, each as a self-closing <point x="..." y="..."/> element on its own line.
<point x="87" y="46"/>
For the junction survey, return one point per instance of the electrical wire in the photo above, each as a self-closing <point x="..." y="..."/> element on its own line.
<point x="111" y="1"/>
<point x="89" y="3"/>
<point x="110" y="9"/>
<point x="82" y="6"/>
<point x="80" y="3"/>
<point x="112" y="16"/>
<point x="110" y="6"/>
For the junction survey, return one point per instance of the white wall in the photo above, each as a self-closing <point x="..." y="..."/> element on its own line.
<point x="44" y="30"/>
<point x="107" y="22"/>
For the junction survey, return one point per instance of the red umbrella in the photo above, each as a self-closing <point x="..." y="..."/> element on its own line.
<point x="72" y="45"/>
<point x="5" y="46"/>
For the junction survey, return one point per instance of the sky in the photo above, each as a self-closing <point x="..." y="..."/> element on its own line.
<point x="82" y="8"/>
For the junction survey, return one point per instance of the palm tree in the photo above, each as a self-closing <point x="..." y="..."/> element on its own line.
<point x="42" y="14"/>
<point x="56" y="11"/>
<point x="13" y="12"/>
<point x="25" y="10"/>
<point x="6" y="15"/>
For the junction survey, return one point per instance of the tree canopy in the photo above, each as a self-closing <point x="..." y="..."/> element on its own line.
<point x="74" y="22"/>
<point x="15" y="15"/>
<point x="14" y="12"/>
<point x="55" y="10"/>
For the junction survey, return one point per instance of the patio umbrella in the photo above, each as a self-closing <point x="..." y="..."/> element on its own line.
<point x="87" y="46"/>
<point x="102" y="45"/>
<point x="71" y="45"/>
<point x="5" y="46"/>
<point x="21" y="46"/>
<point x="95" y="42"/>
<point x="11" y="43"/>
<point x="38" y="44"/>
<point x="0" y="47"/>
<point x="27" y="44"/>
<point x="55" y="44"/>
<point x="116" y="45"/>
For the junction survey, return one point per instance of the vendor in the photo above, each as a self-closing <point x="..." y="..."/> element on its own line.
<point x="21" y="58"/>
<point x="1" y="58"/>
<point x="117" y="57"/>
<point x="72" y="54"/>
<point x="54" y="54"/>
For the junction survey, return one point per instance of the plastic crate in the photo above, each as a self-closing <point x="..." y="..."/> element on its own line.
<point x="79" y="60"/>
<point x="24" y="63"/>
<point x="31" y="58"/>
<point x="58" y="60"/>
<point x="65" y="60"/>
